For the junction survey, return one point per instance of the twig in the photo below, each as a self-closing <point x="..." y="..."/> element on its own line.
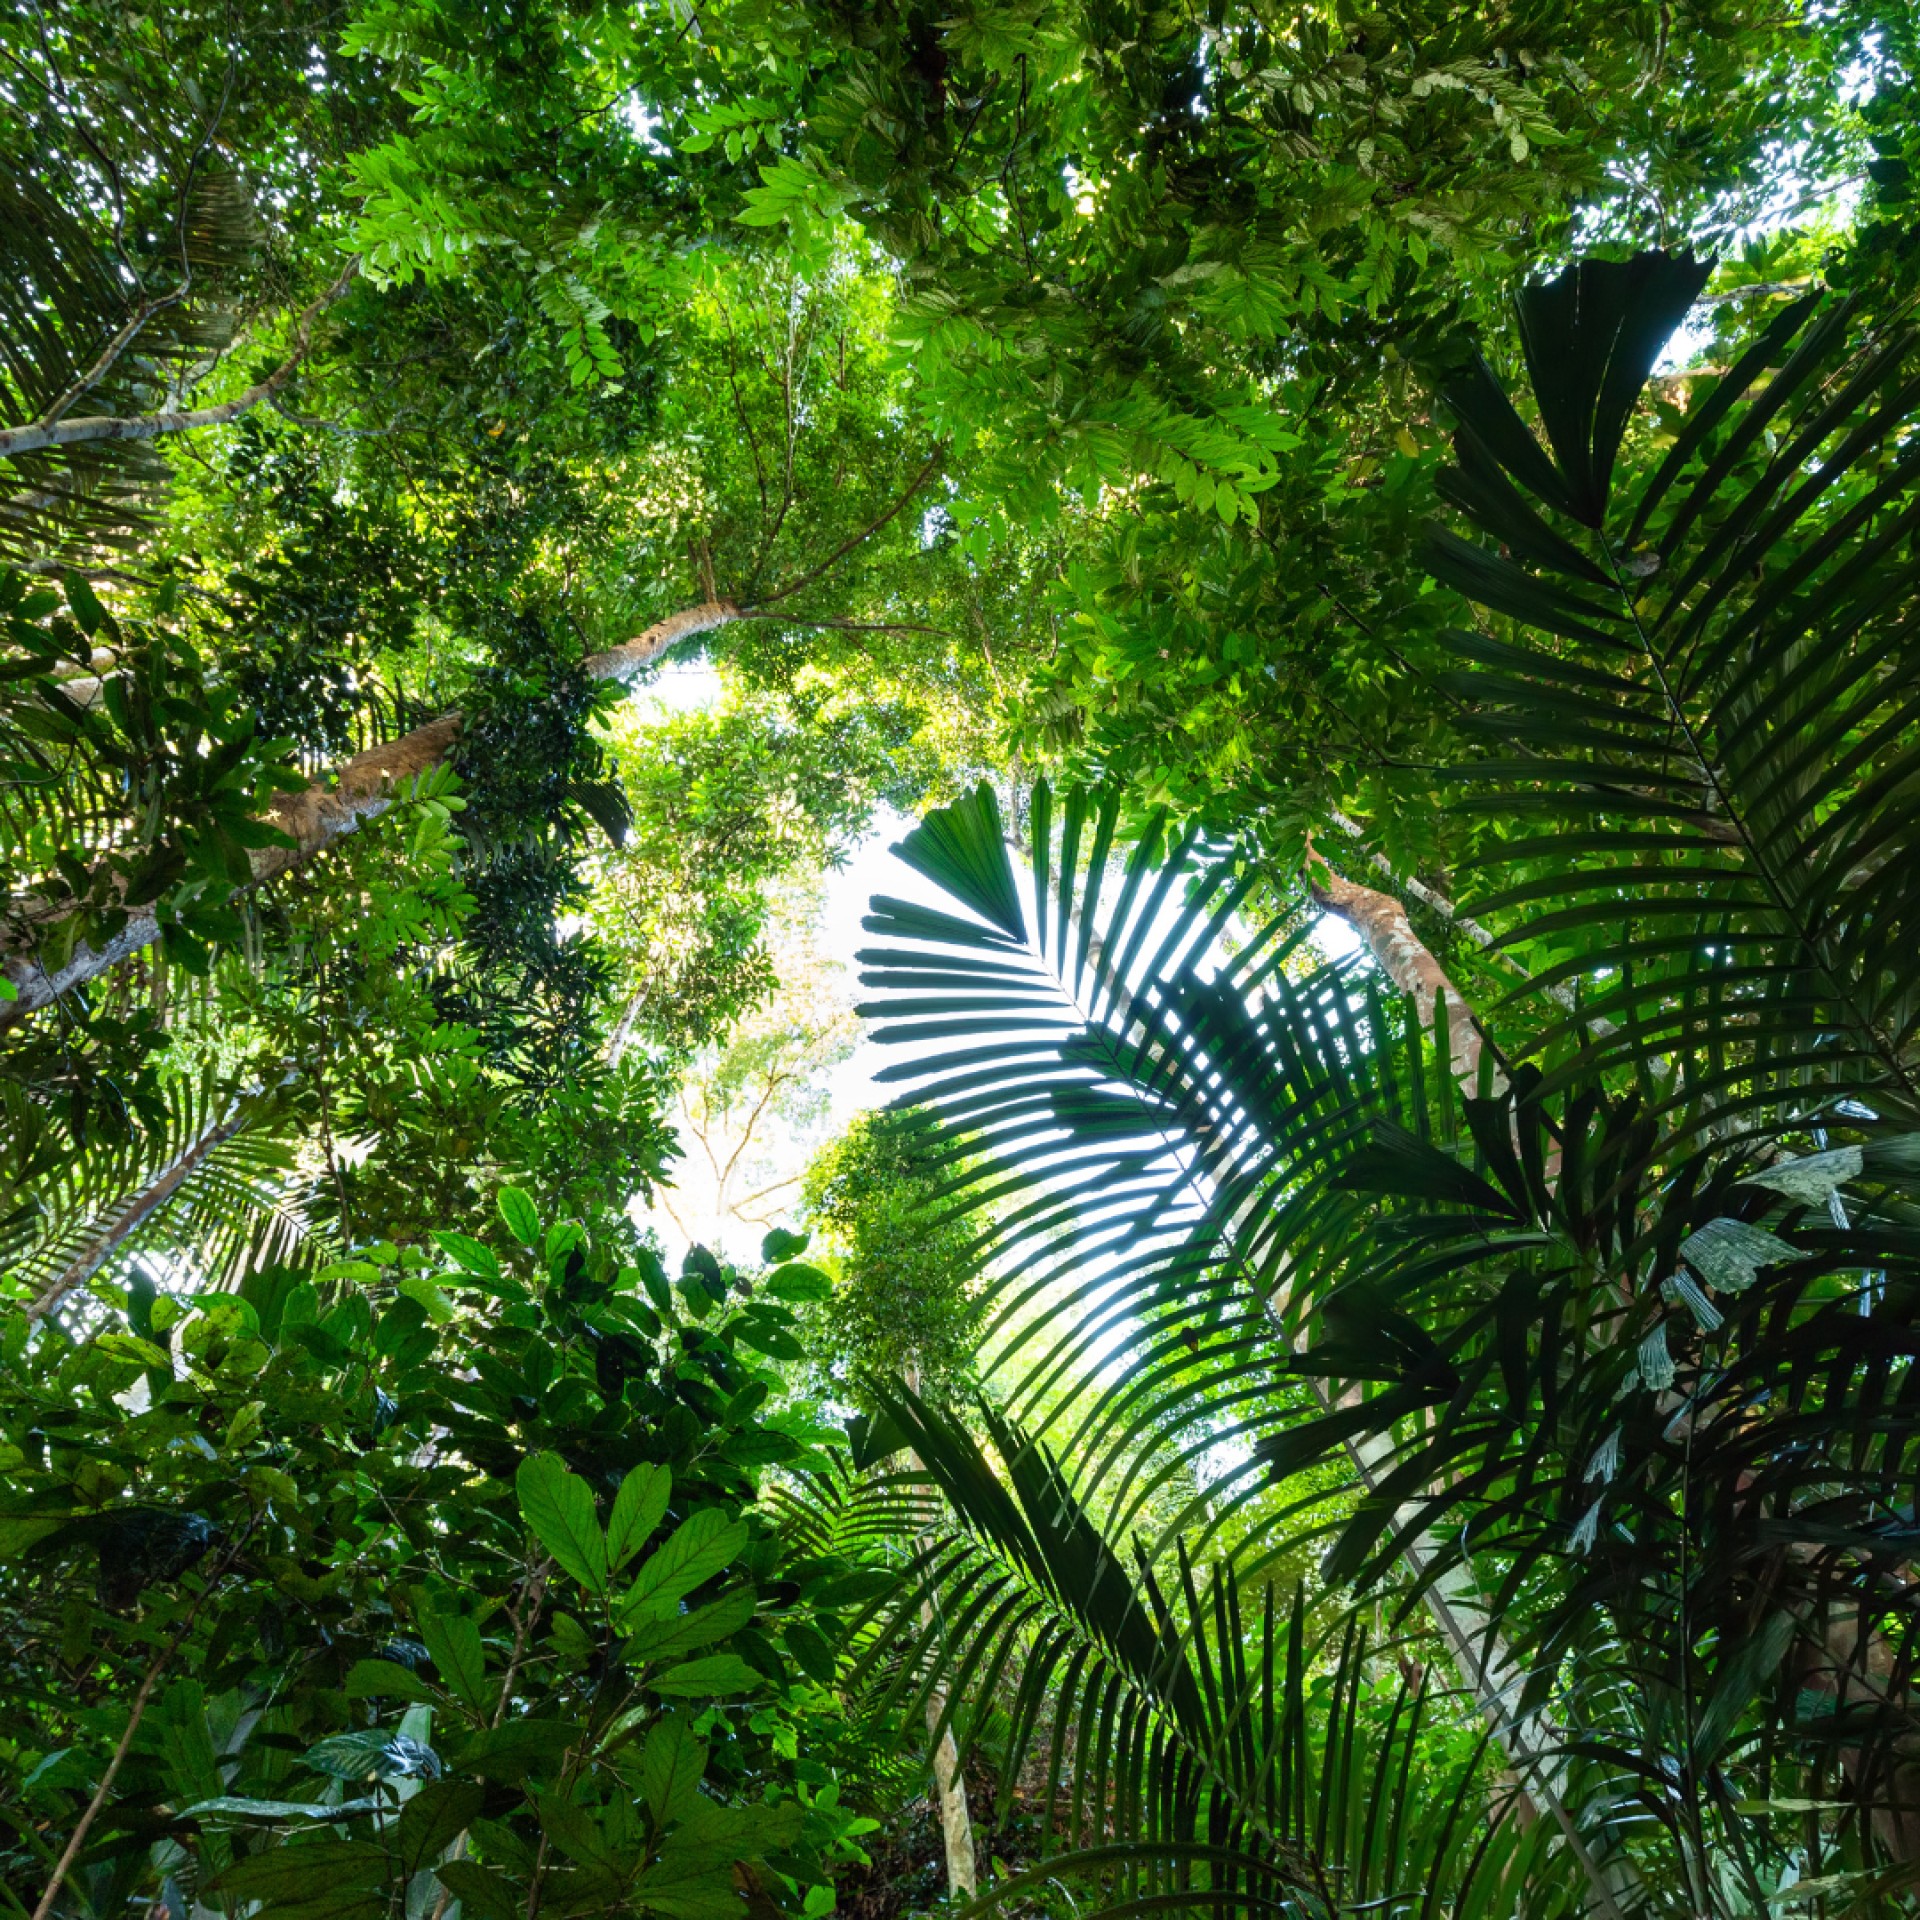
<point x="149" y="426"/>
<point x="77" y="1839"/>
<point x="846" y="546"/>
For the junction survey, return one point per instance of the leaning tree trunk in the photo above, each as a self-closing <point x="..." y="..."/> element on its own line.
<point x="1381" y="921"/>
<point x="950" y="1786"/>
<point x="312" y="820"/>
<point x="1480" y="1653"/>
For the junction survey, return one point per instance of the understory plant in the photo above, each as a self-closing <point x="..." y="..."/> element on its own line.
<point x="420" y="1580"/>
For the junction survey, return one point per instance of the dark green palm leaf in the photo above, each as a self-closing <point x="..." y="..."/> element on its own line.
<point x="1700" y="695"/>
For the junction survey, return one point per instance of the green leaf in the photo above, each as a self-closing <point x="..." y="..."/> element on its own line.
<point x="417" y="1287"/>
<point x="558" y="1506"/>
<point x="371" y="1754"/>
<point x="779" y="1244"/>
<point x="470" y="1253"/>
<point x="521" y="1216"/>
<point x="275" y="1812"/>
<point x="962" y="848"/>
<point x="672" y="1764"/>
<point x="797" y="1281"/>
<point x="696" y="1550"/>
<point x="387" y="1679"/>
<point x="17" y="1534"/>
<point x="84" y="604"/>
<point x="513" y="1750"/>
<point x="677" y="1633"/>
<point x="482" y="1893"/>
<point x="305" y="1870"/>
<point x="459" y="1659"/>
<point x="637" y="1510"/>
<point x="724" y="1674"/>
<point x="434" y="1818"/>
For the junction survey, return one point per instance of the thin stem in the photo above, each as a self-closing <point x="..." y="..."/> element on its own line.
<point x="847" y="546"/>
<point x="78" y="1838"/>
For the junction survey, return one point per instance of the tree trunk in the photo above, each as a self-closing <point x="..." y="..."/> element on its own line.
<point x="956" y="1822"/>
<point x="1381" y="921"/>
<point x="950" y="1787"/>
<point x="312" y="819"/>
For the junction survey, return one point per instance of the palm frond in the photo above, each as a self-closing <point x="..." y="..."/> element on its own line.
<point x="1244" y="1203"/>
<point x="1699" y="696"/>
<point x="200" y="1201"/>
<point x="80" y="334"/>
<point x="1187" y="1742"/>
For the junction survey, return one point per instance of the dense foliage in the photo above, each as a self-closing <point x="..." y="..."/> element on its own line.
<point x="1425" y="1431"/>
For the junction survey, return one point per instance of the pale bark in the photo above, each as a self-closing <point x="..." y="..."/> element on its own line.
<point x="956" y="1822"/>
<point x="1381" y="921"/>
<point x="52" y="431"/>
<point x="950" y="1787"/>
<point x="312" y="818"/>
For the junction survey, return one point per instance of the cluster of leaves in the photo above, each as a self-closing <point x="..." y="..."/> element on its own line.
<point x="419" y="1570"/>
<point x="537" y="783"/>
<point x="134" y="792"/>
<point x="903" y="1305"/>
<point x="723" y="806"/>
<point x="1199" y="268"/>
<point x="1613" y="1340"/>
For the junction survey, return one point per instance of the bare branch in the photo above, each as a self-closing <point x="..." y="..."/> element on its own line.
<point x="150" y="426"/>
<point x="859" y="539"/>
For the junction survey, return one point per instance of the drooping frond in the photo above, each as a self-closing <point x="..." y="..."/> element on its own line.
<point x="80" y="336"/>
<point x="1254" y="1214"/>
<point x="1699" y="695"/>
<point x="199" y="1201"/>
<point x="1185" y="1741"/>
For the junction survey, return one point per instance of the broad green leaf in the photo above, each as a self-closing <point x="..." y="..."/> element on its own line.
<point x="723" y="1674"/>
<point x="370" y="1754"/>
<point x="459" y="1659"/>
<point x="558" y="1506"/>
<point x="303" y="1870"/>
<point x="695" y="1551"/>
<point x="416" y="1286"/>
<point x="482" y="1893"/>
<point x="434" y="1818"/>
<point x="672" y="1764"/>
<point x="387" y="1679"/>
<point x="469" y="1253"/>
<point x="673" y="1634"/>
<point x="798" y="1281"/>
<point x="275" y="1812"/>
<point x="638" y="1509"/>
<point x="517" y="1748"/>
<point x="521" y="1216"/>
<point x="18" y="1534"/>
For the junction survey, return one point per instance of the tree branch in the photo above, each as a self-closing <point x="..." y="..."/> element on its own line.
<point x="865" y="534"/>
<point x="150" y="426"/>
<point x="1382" y="922"/>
